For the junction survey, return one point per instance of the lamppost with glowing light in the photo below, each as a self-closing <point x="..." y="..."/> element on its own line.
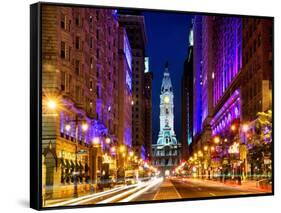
<point x="84" y="127"/>
<point x="243" y="150"/>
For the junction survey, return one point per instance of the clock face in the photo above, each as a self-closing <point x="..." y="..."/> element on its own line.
<point x="166" y="99"/>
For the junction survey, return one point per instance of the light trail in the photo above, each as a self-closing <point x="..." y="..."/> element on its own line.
<point x="100" y="195"/>
<point x="135" y="195"/>
<point x="77" y="201"/>
<point x="112" y="199"/>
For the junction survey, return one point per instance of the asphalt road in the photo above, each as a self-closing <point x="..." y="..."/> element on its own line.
<point x="192" y="189"/>
<point x="159" y="189"/>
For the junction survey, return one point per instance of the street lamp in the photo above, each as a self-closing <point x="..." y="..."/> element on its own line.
<point x="52" y="104"/>
<point x="216" y="139"/>
<point x="96" y="141"/>
<point x="122" y="148"/>
<point x="245" y="128"/>
<point x="233" y="127"/>
<point x="131" y="153"/>
<point x="107" y="140"/>
<point x="67" y="127"/>
<point x="205" y="148"/>
<point x="84" y="127"/>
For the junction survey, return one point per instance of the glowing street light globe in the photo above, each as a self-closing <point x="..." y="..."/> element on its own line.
<point x="85" y="127"/>
<point x="107" y="140"/>
<point x="51" y="104"/>
<point x="96" y="140"/>
<point x="131" y="153"/>
<point x="245" y="127"/>
<point x="67" y="127"/>
<point x="122" y="148"/>
<point x="113" y="149"/>
<point x="216" y="139"/>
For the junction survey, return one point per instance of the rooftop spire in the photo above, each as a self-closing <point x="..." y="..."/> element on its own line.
<point x="166" y="67"/>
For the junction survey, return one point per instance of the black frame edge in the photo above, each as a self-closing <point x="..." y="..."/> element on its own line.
<point x="36" y="107"/>
<point x="35" y="176"/>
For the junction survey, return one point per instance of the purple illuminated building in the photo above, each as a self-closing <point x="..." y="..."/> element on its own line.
<point x="232" y="81"/>
<point x="125" y="90"/>
<point x="217" y="61"/>
<point x="197" y="76"/>
<point x="227" y="59"/>
<point x="134" y="23"/>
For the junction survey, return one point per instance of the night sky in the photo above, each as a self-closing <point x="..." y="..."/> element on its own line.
<point x="167" y="35"/>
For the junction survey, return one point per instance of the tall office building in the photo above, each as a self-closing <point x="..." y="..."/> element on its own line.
<point x="187" y="99"/>
<point x="135" y="27"/>
<point x="233" y="63"/>
<point x="256" y="77"/>
<point x="148" y="76"/>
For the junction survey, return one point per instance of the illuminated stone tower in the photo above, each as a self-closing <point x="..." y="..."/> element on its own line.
<point x="166" y="152"/>
<point x="166" y="110"/>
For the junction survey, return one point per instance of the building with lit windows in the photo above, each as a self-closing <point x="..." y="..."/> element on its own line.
<point x="134" y="24"/>
<point x="232" y="83"/>
<point x="86" y="58"/>
<point x="148" y="76"/>
<point x="187" y="100"/>
<point x="217" y="62"/>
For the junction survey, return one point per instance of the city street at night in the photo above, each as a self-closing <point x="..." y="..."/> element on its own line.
<point x="163" y="189"/>
<point x="147" y="106"/>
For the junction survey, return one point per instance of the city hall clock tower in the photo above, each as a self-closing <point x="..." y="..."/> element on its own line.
<point x="166" y="152"/>
<point x="167" y="102"/>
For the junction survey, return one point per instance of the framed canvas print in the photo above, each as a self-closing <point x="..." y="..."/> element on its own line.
<point x="134" y="106"/>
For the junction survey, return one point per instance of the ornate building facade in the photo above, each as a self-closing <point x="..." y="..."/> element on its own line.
<point x="86" y="58"/>
<point x="166" y="152"/>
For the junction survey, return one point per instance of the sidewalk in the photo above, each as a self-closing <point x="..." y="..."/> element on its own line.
<point x="166" y="191"/>
<point x="246" y="185"/>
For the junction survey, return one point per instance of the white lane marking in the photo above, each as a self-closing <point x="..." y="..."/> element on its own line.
<point x="133" y="196"/>
<point x="212" y="194"/>
<point x="156" y="194"/>
<point x="177" y="191"/>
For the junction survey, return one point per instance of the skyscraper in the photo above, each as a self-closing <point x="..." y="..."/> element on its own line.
<point x="217" y="62"/>
<point x="148" y="76"/>
<point x="187" y="99"/>
<point x="166" y="152"/>
<point x="135" y="28"/>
